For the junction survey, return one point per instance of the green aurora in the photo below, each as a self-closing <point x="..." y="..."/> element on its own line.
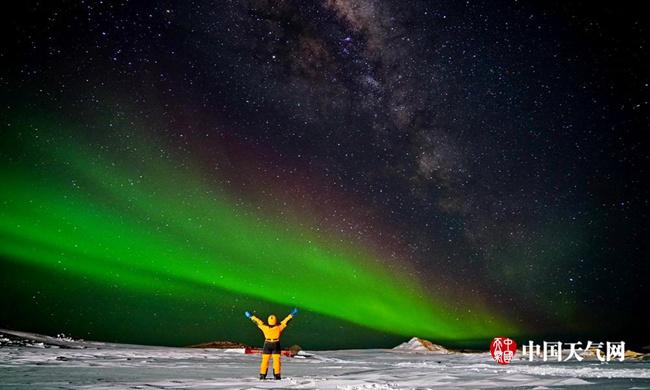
<point x="134" y="217"/>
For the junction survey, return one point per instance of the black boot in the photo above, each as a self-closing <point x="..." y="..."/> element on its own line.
<point x="262" y="376"/>
<point x="277" y="376"/>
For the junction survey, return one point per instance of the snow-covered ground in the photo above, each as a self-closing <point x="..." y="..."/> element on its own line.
<point x="109" y="366"/>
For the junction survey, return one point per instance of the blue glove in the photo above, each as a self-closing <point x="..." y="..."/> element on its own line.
<point x="248" y="314"/>
<point x="294" y="311"/>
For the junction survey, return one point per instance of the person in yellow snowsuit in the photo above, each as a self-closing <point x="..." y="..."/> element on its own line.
<point x="272" y="348"/>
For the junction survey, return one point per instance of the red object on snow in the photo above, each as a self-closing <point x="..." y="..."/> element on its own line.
<point x="250" y="351"/>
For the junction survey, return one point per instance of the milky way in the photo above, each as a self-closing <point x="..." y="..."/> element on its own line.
<point x="443" y="169"/>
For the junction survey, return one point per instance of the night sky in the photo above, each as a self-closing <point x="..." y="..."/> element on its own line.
<point x="454" y="170"/>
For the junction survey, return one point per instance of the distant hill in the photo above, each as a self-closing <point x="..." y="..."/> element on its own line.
<point x="25" y="339"/>
<point x="220" y="345"/>
<point x="417" y="344"/>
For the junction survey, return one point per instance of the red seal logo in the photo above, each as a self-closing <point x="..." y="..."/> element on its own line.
<point x="503" y="349"/>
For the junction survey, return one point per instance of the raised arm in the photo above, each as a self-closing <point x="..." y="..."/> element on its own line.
<point x="254" y="319"/>
<point x="288" y="318"/>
